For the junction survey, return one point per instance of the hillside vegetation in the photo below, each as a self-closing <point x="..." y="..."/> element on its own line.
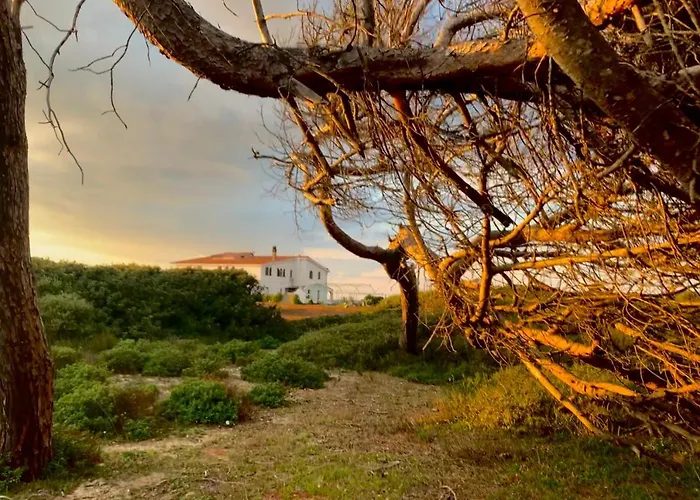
<point x="168" y="394"/>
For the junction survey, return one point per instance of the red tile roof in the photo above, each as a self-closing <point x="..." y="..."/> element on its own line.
<point x="242" y="259"/>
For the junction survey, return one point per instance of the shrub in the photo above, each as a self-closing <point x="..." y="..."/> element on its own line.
<point x="297" y="300"/>
<point x="134" y="402"/>
<point x="372" y="300"/>
<point x="88" y="407"/>
<point x="268" y="342"/>
<point x="77" y="375"/>
<point x="270" y="395"/>
<point x="292" y="371"/>
<point x="67" y="316"/>
<point x="208" y="366"/>
<point x="63" y="356"/>
<point x="166" y="361"/>
<point x="74" y="452"/>
<point x="510" y="399"/>
<point x="201" y="402"/>
<point x="126" y="357"/>
<point x="239" y="351"/>
<point x="276" y="298"/>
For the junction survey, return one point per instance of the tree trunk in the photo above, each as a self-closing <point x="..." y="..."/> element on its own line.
<point x="404" y="274"/>
<point x="26" y="370"/>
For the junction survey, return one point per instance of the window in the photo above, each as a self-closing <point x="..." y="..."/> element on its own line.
<point x="279" y="272"/>
<point x="284" y="273"/>
<point x="268" y="271"/>
<point x="291" y="273"/>
<point x="311" y="275"/>
<point x="319" y="275"/>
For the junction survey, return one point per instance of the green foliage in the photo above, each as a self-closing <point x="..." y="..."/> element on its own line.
<point x="289" y="370"/>
<point x="270" y="395"/>
<point x="239" y="351"/>
<point x="77" y="375"/>
<point x="372" y="300"/>
<point x="9" y="477"/>
<point x="68" y="316"/>
<point x="140" y="430"/>
<point x="148" y="302"/>
<point x="371" y="342"/>
<point x="134" y="402"/>
<point x="100" y="342"/>
<point x="201" y="402"/>
<point x="63" y="356"/>
<point x="297" y="300"/>
<point x="268" y="342"/>
<point x="206" y="367"/>
<point x="166" y="360"/>
<point x="508" y="399"/>
<point x="277" y="298"/>
<point x="89" y="407"/>
<point x="74" y="453"/>
<point x="354" y="345"/>
<point x="126" y="357"/>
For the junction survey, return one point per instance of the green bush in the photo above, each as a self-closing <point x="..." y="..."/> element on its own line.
<point x="126" y="357"/>
<point x="67" y="316"/>
<point x="276" y="298"/>
<point x="270" y="395"/>
<point x="239" y="351"/>
<point x="100" y="342"/>
<point x="297" y="300"/>
<point x="75" y="376"/>
<point x="152" y="303"/>
<point x="268" y="343"/>
<point x="166" y="361"/>
<point x="9" y="477"/>
<point x="292" y="371"/>
<point x="88" y="407"/>
<point x="63" y="356"/>
<point x="201" y="402"/>
<point x="74" y="453"/>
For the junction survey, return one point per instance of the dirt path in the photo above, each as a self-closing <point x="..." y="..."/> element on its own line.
<point x="350" y="440"/>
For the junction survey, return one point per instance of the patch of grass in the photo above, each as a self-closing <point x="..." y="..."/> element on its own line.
<point x="589" y="468"/>
<point x="75" y="453"/>
<point x="269" y="395"/>
<point x="371" y="342"/>
<point x="290" y="370"/>
<point x="206" y="368"/>
<point x="508" y="399"/>
<point x="63" y="356"/>
<point x="201" y="402"/>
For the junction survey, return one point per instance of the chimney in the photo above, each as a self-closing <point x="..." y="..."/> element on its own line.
<point x="274" y="253"/>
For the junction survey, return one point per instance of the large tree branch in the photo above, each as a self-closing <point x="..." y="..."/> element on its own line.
<point x="263" y="70"/>
<point x="654" y="123"/>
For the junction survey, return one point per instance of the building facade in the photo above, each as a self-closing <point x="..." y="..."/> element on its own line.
<point x="285" y="274"/>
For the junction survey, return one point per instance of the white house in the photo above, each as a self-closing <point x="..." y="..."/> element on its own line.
<point x="283" y="274"/>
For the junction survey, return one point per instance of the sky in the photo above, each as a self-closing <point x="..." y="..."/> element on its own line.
<point x="180" y="181"/>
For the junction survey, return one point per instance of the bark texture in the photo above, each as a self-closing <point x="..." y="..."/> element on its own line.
<point x="26" y="370"/>
<point x="654" y="123"/>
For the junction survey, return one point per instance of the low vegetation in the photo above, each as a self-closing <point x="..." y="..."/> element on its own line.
<point x="113" y="387"/>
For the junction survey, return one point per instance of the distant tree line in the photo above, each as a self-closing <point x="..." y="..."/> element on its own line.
<point x="77" y="301"/>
